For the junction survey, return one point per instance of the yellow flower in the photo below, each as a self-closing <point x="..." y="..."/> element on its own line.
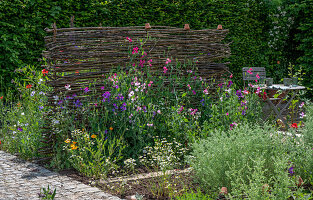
<point x="73" y="146"/>
<point x="93" y="136"/>
<point x="111" y="128"/>
<point x="67" y="140"/>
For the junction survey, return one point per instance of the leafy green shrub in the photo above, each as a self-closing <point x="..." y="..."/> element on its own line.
<point x="194" y="196"/>
<point x="243" y="160"/>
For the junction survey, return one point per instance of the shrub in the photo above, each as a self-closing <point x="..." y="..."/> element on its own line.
<point x="243" y="160"/>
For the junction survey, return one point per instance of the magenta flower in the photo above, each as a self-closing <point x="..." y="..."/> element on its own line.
<point x="189" y="87"/>
<point x="130" y="40"/>
<point x="258" y="77"/>
<point x="141" y="63"/>
<point x="205" y="91"/>
<point x="150" y="61"/>
<point x="135" y="50"/>
<point x="194" y="92"/>
<point x="193" y="111"/>
<point x="164" y="70"/>
<point x="181" y="109"/>
<point x="233" y="125"/>
<point x="250" y="71"/>
<point x="102" y="88"/>
<point x="86" y="89"/>
<point x="168" y="61"/>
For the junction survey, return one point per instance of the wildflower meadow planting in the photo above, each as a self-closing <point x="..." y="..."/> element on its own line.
<point x="187" y="136"/>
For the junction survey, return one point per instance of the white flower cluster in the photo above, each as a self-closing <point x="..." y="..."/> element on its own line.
<point x="165" y="155"/>
<point x="130" y="164"/>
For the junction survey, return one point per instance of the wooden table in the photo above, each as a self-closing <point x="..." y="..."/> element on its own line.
<point x="287" y="89"/>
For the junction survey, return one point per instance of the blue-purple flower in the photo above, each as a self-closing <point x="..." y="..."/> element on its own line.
<point x="239" y="94"/>
<point x="120" y="97"/>
<point x="291" y="170"/>
<point x="123" y="107"/>
<point x="77" y="103"/>
<point x="202" y="102"/>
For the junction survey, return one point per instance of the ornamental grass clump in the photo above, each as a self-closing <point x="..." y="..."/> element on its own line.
<point x="243" y="160"/>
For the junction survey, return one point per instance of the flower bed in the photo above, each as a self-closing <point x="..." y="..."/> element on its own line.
<point x="136" y="118"/>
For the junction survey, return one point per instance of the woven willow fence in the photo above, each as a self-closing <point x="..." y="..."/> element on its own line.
<point x="79" y="56"/>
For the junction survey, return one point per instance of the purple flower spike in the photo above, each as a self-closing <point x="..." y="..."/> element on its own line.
<point x="291" y="170"/>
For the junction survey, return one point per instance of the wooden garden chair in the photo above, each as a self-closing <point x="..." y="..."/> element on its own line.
<point x="249" y="77"/>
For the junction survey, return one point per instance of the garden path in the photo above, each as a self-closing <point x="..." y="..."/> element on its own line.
<point x="23" y="180"/>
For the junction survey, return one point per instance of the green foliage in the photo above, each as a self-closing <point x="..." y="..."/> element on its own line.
<point x="234" y="106"/>
<point x="21" y="116"/>
<point x="47" y="194"/>
<point x="193" y="196"/>
<point x="242" y="160"/>
<point x="305" y="37"/>
<point x="301" y="148"/>
<point x="94" y="155"/>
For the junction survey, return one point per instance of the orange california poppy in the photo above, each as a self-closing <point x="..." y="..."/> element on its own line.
<point x="93" y="136"/>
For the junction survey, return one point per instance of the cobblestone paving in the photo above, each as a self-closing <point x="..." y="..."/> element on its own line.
<point x="23" y="180"/>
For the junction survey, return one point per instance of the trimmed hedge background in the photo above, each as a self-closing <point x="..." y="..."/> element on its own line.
<point x="264" y="33"/>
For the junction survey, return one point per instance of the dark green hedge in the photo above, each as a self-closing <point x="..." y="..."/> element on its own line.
<point x="305" y="38"/>
<point x="249" y="21"/>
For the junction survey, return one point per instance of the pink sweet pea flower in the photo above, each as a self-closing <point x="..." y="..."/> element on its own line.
<point x="258" y="77"/>
<point x="168" y="61"/>
<point x="135" y="50"/>
<point x="164" y="70"/>
<point x="250" y="71"/>
<point x="205" y="91"/>
<point x="150" y="61"/>
<point x="231" y="76"/>
<point x="130" y="40"/>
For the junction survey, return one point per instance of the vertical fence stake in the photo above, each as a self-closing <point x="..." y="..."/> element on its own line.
<point x="54" y="31"/>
